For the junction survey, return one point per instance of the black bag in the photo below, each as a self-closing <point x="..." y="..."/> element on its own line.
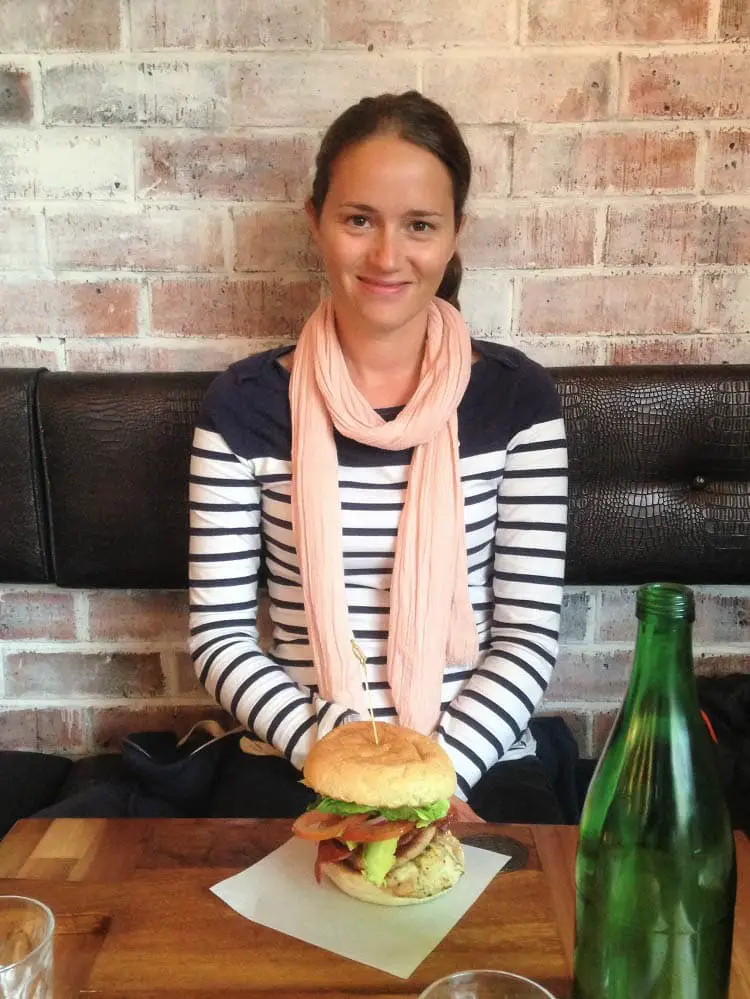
<point x="725" y="701"/>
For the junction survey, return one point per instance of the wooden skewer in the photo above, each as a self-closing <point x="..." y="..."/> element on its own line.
<point x="363" y="663"/>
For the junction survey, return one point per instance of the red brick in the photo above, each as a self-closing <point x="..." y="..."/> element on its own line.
<point x="155" y="239"/>
<point x="36" y="354"/>
<point x="484" y="90"/>
<point x="675" y="233"/>
<point x="726" y="302"/>
<point x="695" y="85"/>
<point x="626" y="20"/>
<point x="734" y="235"/>
<point x="15" y="96"/>
<point x="253" y="308"/>
<point x="223" y="24"/>
<point x="111" y="724"/>
<point x="627" y="303"/>
<point x="713" y="664"/>
<point x="135" y="355"/>
<point x="734" y="19"/>
<point x="59" y="25"/>
<point x="48" y="308"/>
<point x="565" y="162"/>
<point x="728" y="168"/>
<point x="138" y="614"/>
<point x="273" y="238"/>
<point x="530" y="236"/>
<point x="718" y="348"/>
<point x="18" y="241"/>
<point x="50" y="730"/>
<point x="36" y="614"/>
<point x="603" y="722"/>
<point x="287" y="90"/>
<point x="173" y="94"/>
<point x="78" y="674"/>
<point x="187" y="681"/>
<point x="60" y="165"/>
<point x="491" y="148"/>
<point x="561" y="352"/>
<point x="435" y="23"/>
<point x="264" y="167"/>
<point x="589" y="675"/>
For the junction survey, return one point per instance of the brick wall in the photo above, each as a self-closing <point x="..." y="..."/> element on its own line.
<point x="154" y="155"/>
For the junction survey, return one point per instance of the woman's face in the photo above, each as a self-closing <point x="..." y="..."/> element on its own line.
<point x="386" y="233"/>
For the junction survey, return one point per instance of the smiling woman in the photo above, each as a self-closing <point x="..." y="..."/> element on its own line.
<point x="400" y="487"/>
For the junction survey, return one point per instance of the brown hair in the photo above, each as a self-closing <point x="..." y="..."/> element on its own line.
<point x="413" y="118"/>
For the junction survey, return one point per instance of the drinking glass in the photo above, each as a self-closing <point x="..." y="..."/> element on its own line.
<point x="26" y="928"/>
<point x="485" y="984"/>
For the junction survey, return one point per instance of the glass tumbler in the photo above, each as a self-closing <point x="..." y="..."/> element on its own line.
<point x="485" y="984"/>
<point x="26" y="929"/>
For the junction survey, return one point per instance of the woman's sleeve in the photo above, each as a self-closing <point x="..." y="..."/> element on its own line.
<point x="493" y="709"/>
<point x="225" y="561"/>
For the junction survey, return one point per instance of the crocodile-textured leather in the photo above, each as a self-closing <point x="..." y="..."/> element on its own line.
<point x="24" y="551"/>
<point x="659" y="473"/>
<point x="116" y="451"/>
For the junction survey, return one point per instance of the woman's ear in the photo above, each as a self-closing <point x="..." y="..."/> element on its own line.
<point x="312" y="220"/>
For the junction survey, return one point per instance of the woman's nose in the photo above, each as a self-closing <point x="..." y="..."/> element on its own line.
<point x="385" y="249"/>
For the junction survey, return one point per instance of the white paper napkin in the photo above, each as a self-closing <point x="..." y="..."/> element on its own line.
<point x="280" y="891"/>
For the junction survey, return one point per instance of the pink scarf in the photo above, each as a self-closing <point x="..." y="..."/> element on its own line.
<point x="431" y="618"/>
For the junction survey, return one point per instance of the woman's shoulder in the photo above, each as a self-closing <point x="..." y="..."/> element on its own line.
<point x="246" y="399"/>
<point x="508" y="364"/>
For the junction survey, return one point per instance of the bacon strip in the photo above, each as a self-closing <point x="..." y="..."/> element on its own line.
<point x="329" y="852"/>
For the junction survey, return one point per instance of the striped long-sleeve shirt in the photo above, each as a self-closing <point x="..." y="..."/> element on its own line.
<point x="514" y="476"/>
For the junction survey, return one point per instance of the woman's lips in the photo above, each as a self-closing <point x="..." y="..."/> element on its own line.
<point x="382" y="287"/>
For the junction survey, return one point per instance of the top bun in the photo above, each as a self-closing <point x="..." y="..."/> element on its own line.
<point x="405" y="768"/>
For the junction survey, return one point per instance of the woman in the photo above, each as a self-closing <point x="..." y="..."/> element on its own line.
<point x="401" y="490"/>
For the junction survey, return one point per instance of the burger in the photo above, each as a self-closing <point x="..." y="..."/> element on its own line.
<point x="380" y="818"/>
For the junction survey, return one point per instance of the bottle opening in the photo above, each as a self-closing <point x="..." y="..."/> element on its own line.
<point x="670" y="600"/>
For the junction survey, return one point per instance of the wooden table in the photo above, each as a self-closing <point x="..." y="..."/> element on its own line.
<point x="136" y="919"/>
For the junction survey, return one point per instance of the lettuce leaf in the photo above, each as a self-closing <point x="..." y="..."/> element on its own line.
<point x="423" y="815"/>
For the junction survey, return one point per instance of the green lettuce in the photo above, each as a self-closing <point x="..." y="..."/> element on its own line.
<point x="422" y="815"/>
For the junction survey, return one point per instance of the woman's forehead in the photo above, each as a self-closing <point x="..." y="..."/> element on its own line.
<point x="388" y="170"/>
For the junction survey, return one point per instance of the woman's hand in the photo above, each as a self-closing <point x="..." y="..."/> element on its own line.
<point x="463" y="812"/>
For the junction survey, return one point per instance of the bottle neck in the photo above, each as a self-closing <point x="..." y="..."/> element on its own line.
<point x="663" y="662"/>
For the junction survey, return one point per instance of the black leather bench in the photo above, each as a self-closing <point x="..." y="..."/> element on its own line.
<point x="93" y="473"/>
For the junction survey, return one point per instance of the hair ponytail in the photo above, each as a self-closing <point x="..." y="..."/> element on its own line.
<point x="451" y="283"/>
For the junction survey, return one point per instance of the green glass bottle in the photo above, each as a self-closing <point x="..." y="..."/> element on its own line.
<point x="655" y="870"/>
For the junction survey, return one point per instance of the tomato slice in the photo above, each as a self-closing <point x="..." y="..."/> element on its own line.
<point x="318" y="826"/>
<point x="329" y="852"/>
<point x="369" y="828"/>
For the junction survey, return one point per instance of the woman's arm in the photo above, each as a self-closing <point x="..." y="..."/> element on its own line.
<point x="225" y="561"/>
<point x="494" y="707"/>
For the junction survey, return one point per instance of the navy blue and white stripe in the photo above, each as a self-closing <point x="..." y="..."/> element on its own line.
<point x="513" y="470"/>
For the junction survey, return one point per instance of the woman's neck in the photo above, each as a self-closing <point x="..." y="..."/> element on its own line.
<point x="386" y="369"/>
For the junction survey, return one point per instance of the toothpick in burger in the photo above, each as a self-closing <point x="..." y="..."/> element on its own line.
<point x="379" y="819"/>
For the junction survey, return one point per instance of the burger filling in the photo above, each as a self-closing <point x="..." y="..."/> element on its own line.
<point x="374" y="841"/>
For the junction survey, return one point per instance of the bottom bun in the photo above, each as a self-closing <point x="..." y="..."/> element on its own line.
<point x="433" y="873"/>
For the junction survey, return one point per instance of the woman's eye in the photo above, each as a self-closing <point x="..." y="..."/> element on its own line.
<point x="358" y="221"/>
<point x="419" y="225"/>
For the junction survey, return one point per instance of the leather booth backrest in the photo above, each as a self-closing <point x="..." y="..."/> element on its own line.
<point x="659" y="475"/>
<point x="24" y="547"/>
<point x="116" y="453"/>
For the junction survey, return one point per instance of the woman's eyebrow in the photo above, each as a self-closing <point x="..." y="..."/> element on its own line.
<point x="412" y="213"/>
